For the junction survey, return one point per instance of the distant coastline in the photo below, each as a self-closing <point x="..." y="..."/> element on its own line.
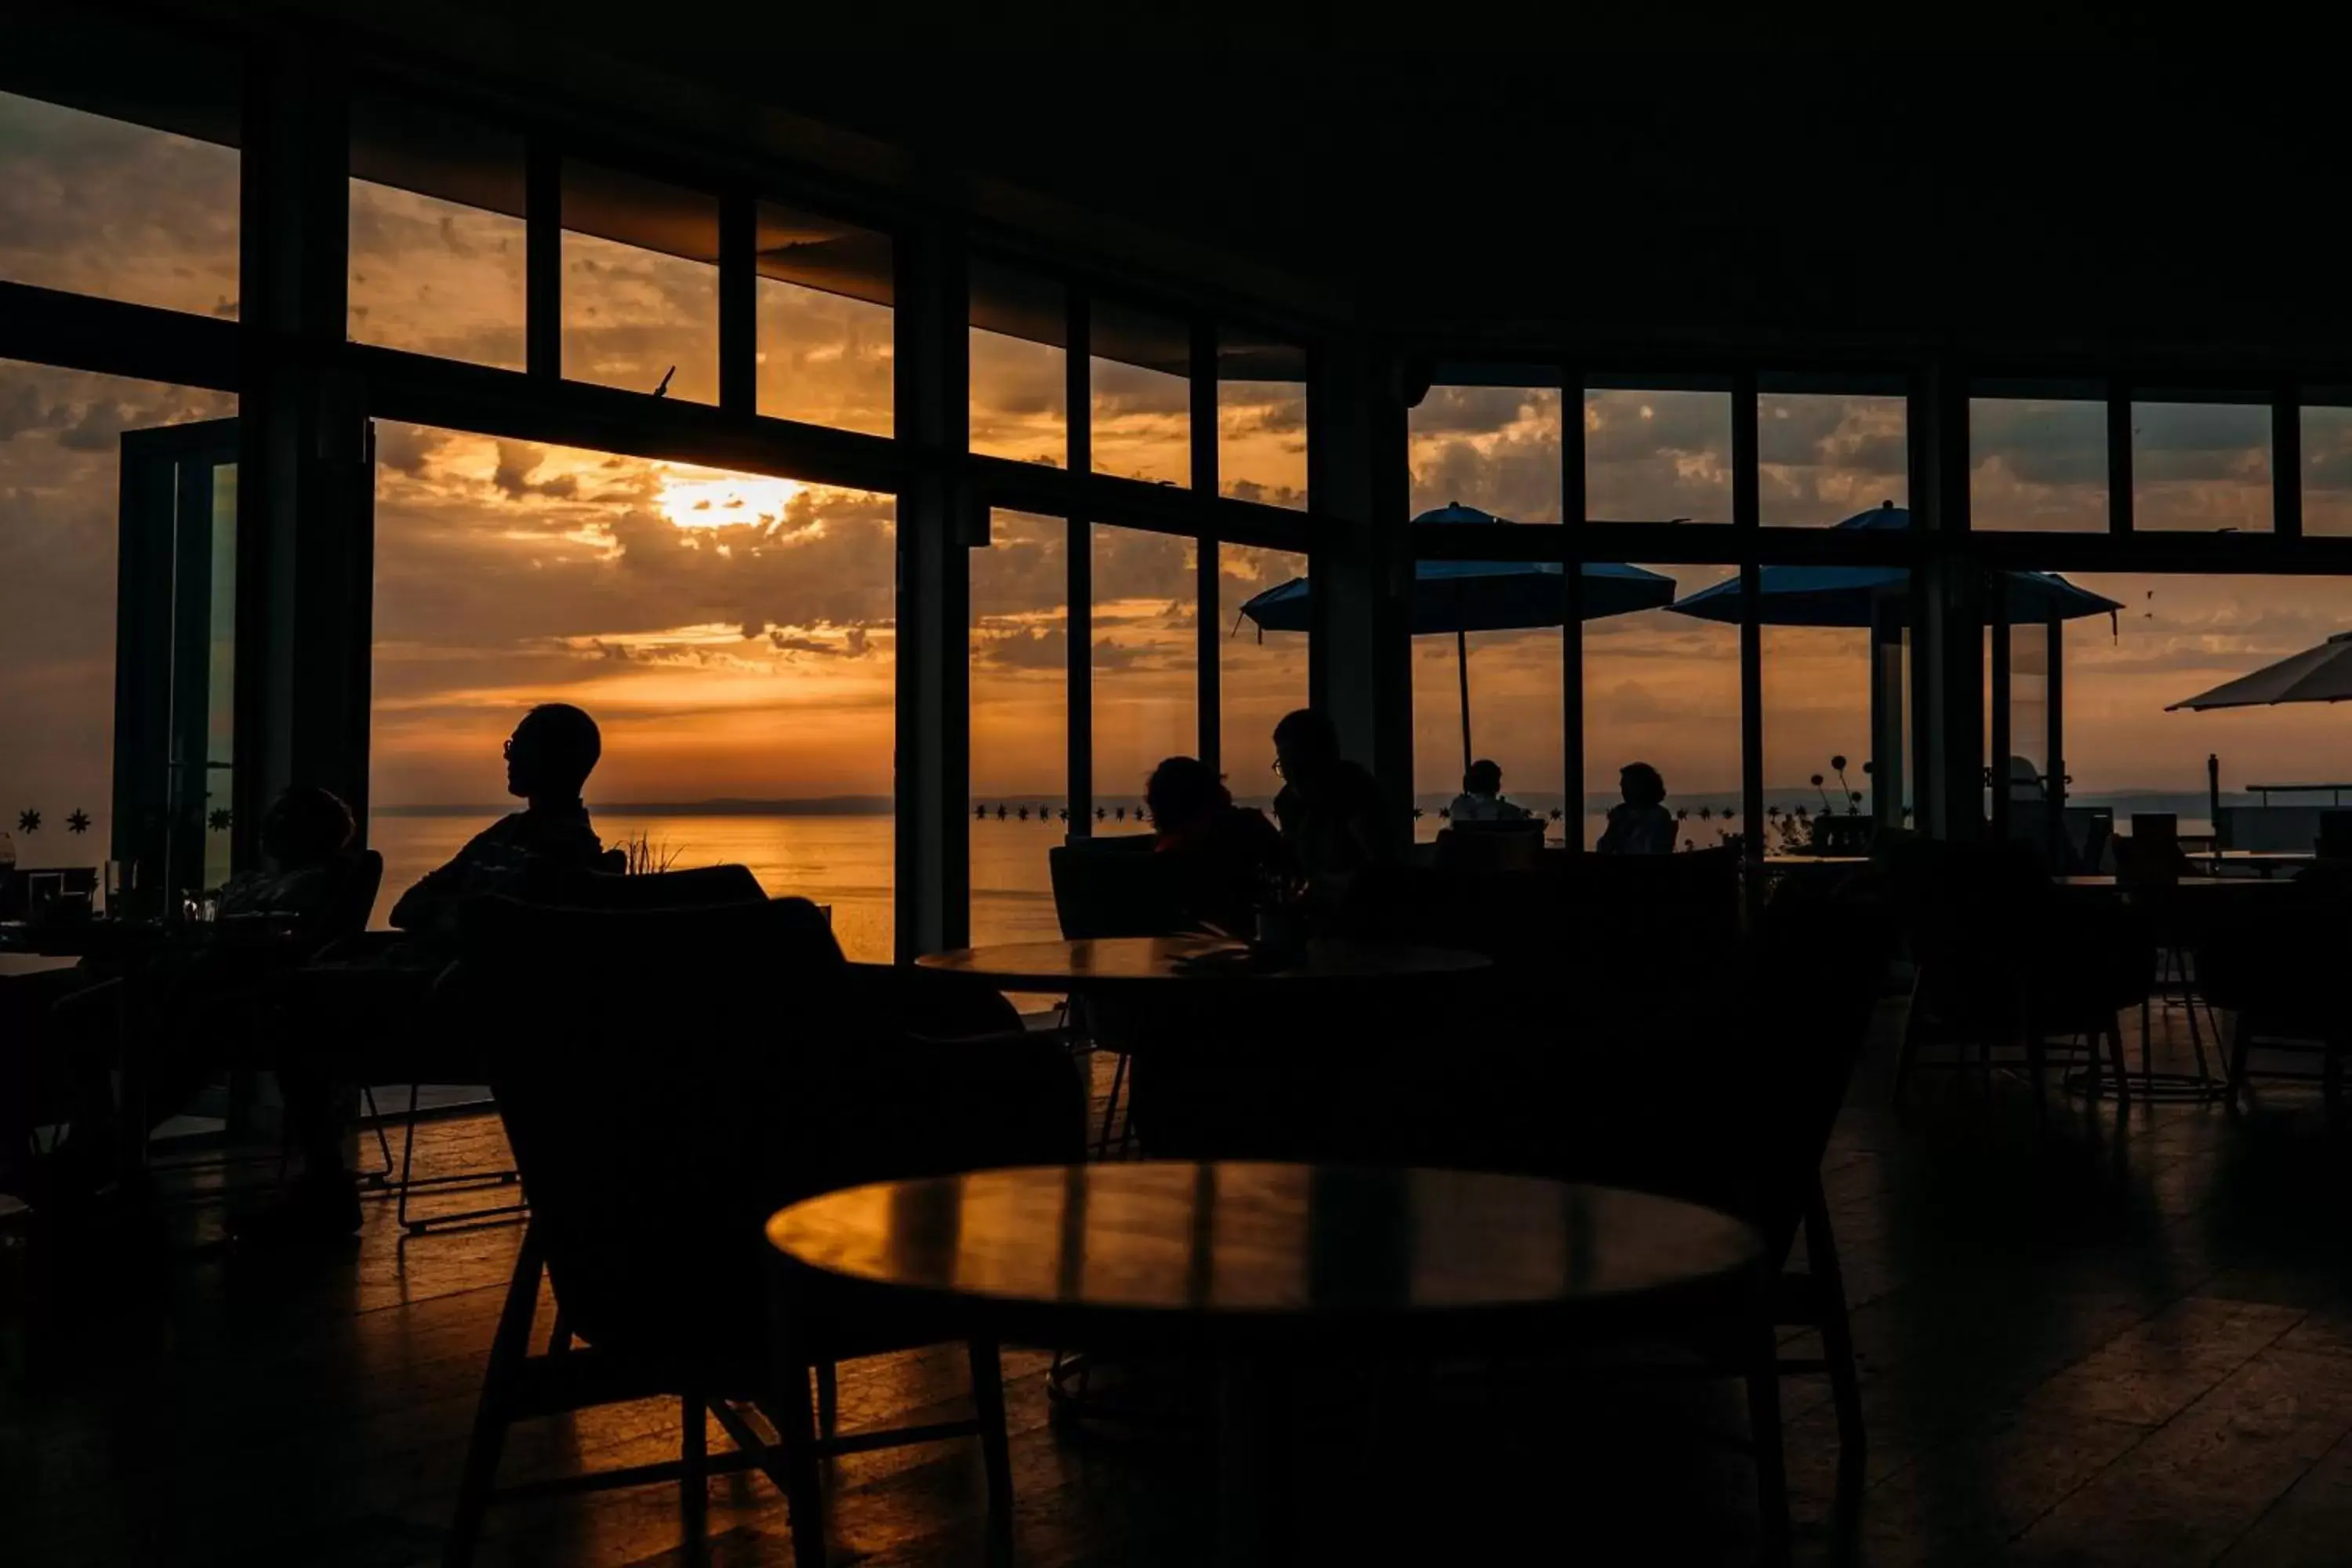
<point x="2181" y="803"/>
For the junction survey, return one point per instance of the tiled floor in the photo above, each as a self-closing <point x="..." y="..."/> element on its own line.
<point x="2091" y="1340"/>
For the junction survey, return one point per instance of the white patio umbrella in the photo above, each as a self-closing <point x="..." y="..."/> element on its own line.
<point x="2322" y="674"/>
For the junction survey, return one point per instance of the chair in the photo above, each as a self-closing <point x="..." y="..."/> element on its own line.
<point x="2279" y="970"/>
<point x="1512" y="846"/>
<point x="765" y="1083"/>
<point x="1110" y="887"/>
<point x="1997" y="962"/>
<point x="606" y="887"/>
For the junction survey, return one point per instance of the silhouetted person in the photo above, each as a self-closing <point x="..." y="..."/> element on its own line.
<point x="1641" y="825"/>
<point x="1334" y="822"/>
<point x="549" y="759"/>
<point x="1481" y="799"/>
<point x="1220" y="853"/>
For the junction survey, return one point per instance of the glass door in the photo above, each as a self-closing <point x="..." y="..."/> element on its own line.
<point x="176" y="663"/>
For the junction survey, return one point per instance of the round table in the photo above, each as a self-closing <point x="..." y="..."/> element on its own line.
<point x="1256" y="1266"/>
<point x="1097" y="964"/>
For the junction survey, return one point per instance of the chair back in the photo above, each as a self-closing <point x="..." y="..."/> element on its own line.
<point x="1121" y="890"/>
<point x="1510" y="845"/>
<point x="696" y="888"/>
<point x="358" y="881"/>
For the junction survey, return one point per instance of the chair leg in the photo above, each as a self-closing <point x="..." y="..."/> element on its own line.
<point x="1110" y="1107"/>
<point x="508" y="1348"/>
<point x="1764" y="1431"/>
<point x="1837" y="1329"/>
<point x="1907" y="1053"/>
<point x="828" y="1397"/>
<point x="407" y="1154"/>
<point x="2240" y="1049"/>
<point x="694" y="1475"/>
<point x="382" y="1143"/>
<point x="559" y="1333"/>
<point x="2116" y="1061"/>
<point x="996" y="1452"/>
<point x="794" y="1417"/>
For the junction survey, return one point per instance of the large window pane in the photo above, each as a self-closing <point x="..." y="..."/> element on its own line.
<point x="2327" y="470"/>
<point x="1515" y="717"/>
<point x="1143" y="395"/>
<point x="1826" y="456"/>
<point x="734" y="634"/>
<point x="1019" y="723"/>
<point x="102" y="206"/>
<point x="1664" y="689"/>
<point x="1493" y="447"/>
<point x="827" y="334"/>
<point x="2038" y="465"/>
<point x="1019" y="378"/>
<point x="1817" y="715"/>
<point x="1261" y="420"/>
<point x="1658" y="457"/>
<point x="1262" y="675"/>
<point x="640" y="284"/>
<point x="2202" y="468"/>
<point x="61" y="461"/>
<point x="437" y="237"/>
<point x="2179" y="635"/>
<point x="1146" y="659"/>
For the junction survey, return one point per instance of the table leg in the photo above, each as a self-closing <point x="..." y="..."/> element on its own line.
<point x="1764" y="1432"/>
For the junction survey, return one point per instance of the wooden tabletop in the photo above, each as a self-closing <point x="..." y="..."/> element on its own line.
<point x="1251" y="1254"/>
<point x="1148" y="960"/>
<point x="2095" y="884"/>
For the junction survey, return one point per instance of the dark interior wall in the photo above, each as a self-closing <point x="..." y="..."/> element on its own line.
<point x="1486" y="177"/>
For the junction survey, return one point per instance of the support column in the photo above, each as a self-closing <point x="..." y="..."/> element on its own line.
<point x="305" y="478"/>
<point x="1947" y="604"/>
<point x="940" y="519"/>
<point x="1360" y="658"/>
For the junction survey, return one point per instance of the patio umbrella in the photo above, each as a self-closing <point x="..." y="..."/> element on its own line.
<point x="1847" y="595"/>
<point x="1465" y="596"/>
<point x="2322" y="674"/>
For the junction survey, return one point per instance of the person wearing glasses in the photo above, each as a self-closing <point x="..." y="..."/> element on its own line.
<point x="1334" y="820"/>
<point x="549" y="759"/>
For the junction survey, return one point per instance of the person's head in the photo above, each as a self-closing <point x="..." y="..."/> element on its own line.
<point x="306" y="825"/>
<point x="1484" y="778"/>
<point x="1183" y="790"/>
<point x="1305" y="746"/>
<point x="1641" y="785"/>
<point x="551" y="752"/>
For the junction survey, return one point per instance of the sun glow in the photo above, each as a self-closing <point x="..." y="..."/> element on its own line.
<point x="706" y="498"/>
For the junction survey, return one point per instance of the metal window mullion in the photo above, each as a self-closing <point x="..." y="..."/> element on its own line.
<point x="1571" y="638"/>
<point x="739" y="303"/>
<point x="1077" y="361"/>
<point x="1208" y="613"/>
<point x="543" y="259"/>
<point x="1747" y="512"/>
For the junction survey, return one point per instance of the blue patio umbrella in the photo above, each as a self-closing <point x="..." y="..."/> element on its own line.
<point x="1465" y="596"/>
<point x="1847" y="595"/>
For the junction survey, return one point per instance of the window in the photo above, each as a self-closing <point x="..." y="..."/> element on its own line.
<point x="1019" y="723"/>
<point x="1515" y="717"/>
<point x="1493" y="447"/>
<point x="1262" y="675"/>
<point x="61" y="459"/>
<point x="1146" y="658"/>
<point x="1659" y="456"/>
<point x="437" y="235"/>
<point x="1261" y="421"/>
<point x="128" y="212"/>
<point x="1142" y="376"/>
<point x="1816" y="712"/>
<point x="2326" y="470"/>
<point x="826" y="328"/>
<point x="640" y="284"/>
<point x="2202" y="468"/>
<point x="2038" y="465"/>
<point x="1828" y="458"/>
<point x="734" y="634"/>
<point x="1664" y="689"/>
<point x="1020" y="380"/>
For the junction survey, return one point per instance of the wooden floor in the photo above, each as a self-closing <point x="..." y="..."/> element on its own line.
<point x="2106" y="1341"/>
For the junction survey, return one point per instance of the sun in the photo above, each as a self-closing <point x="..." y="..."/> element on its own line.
<point x="711" y="497"/>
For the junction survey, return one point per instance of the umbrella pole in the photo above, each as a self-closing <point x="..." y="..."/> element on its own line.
<point x="1462" y="665"/>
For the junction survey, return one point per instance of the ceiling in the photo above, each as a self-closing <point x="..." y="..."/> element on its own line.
<point x="1498" y="179"/>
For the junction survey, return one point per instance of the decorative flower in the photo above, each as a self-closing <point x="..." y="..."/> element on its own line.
<point x="1817" y="780"/>
<point x="218" y="820"/>
<point x="1555" y="814"/>
<point x="28" y="821"/>
<point x="1869" y="768"/>
<point x="1837" y="764"/>
<point x="980" y="812"/>
<point x="77" y="822"/>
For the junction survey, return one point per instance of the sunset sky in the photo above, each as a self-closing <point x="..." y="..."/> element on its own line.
<point x="735" y="634"/>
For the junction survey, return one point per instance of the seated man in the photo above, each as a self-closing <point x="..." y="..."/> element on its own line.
<point x="1334" y="821"/>
<point x="549" y="759"/>
<point x="1481" y="799"/>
